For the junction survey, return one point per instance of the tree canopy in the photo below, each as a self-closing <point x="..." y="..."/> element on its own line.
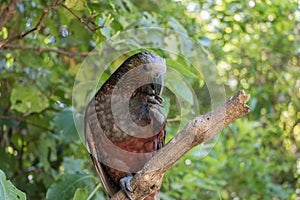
<point x="251" y="45"/>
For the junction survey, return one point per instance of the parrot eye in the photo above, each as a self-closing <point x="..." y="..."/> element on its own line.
<point x="147" y="67"/>
<point x="156" y="75"/>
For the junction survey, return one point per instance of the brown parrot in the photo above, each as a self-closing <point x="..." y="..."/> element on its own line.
<point x="124" y="124"/>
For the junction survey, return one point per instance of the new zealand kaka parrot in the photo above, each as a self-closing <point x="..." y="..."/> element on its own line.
<point x="124" y="125"/>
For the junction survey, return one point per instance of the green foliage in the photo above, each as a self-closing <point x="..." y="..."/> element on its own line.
<point x="70" y="185"/>
<point x="64" y="125"/>
<point x="28" y="98"/>
<point x="255" y="47"/>
<point x="8" y="190"/>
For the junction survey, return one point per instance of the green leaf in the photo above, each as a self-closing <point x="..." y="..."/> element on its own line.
<point x="175" y="25"/>
<point x="9" y="60"/>
<point x="72" y="165"/>
<point x="64" y="123"/>
<point x="4" y="33"/>
<point x="8" y="191"/>
<point x="166" y="106"/>
<point x="11" y="163"/>
<point x="76" y="5"/>
<point x="66" y="187"/>
<point x="28" y="98"/>
<point x="176" y="83"/>
<point x="47" y="149"/>
<point x="81" y="194"/>
<point x="182" y="68"/>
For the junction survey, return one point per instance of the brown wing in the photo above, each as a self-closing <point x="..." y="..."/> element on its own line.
<point x="162" y="136"/>
<point x="91" y="142"/>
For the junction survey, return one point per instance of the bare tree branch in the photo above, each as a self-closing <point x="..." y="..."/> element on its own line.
<point x="20" y="119"/>
<point x="46" y="49"/>
<point x="81" y="19"/>
<point x="38" y="25"/>
<point x="197" y="131"/>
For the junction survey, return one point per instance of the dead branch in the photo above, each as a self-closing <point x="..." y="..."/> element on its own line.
<point x="93" y="29"/>
<point x="38" y="25"/>
<point x="46" y="49"/>
<point x="20" y="119"/>
<point x="197" y="131"/>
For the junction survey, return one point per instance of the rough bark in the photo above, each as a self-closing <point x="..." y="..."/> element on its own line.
<point x="8" y="12"/>
<point x="197" y="131"/>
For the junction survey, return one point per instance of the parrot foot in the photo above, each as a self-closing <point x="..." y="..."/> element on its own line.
<point x="125" y="185"/>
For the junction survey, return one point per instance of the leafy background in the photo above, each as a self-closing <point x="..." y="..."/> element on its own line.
<point x="254" y="44"/>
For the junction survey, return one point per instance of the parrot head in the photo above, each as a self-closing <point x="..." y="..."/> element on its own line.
<point x="144" y="73"/>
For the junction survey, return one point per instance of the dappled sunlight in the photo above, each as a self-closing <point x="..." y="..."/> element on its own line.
<point x="248" y="45"/>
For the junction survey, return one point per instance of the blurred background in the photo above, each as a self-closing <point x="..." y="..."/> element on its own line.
<point x="254" y="44"/>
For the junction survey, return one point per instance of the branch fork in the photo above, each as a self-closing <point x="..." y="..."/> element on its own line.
<point x="201" y="129"/>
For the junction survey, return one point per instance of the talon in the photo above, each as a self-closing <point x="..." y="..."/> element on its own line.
<point x="126" y="187"/>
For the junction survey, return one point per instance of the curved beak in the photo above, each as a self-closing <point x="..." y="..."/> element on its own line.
<point x="158" y="83"/>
